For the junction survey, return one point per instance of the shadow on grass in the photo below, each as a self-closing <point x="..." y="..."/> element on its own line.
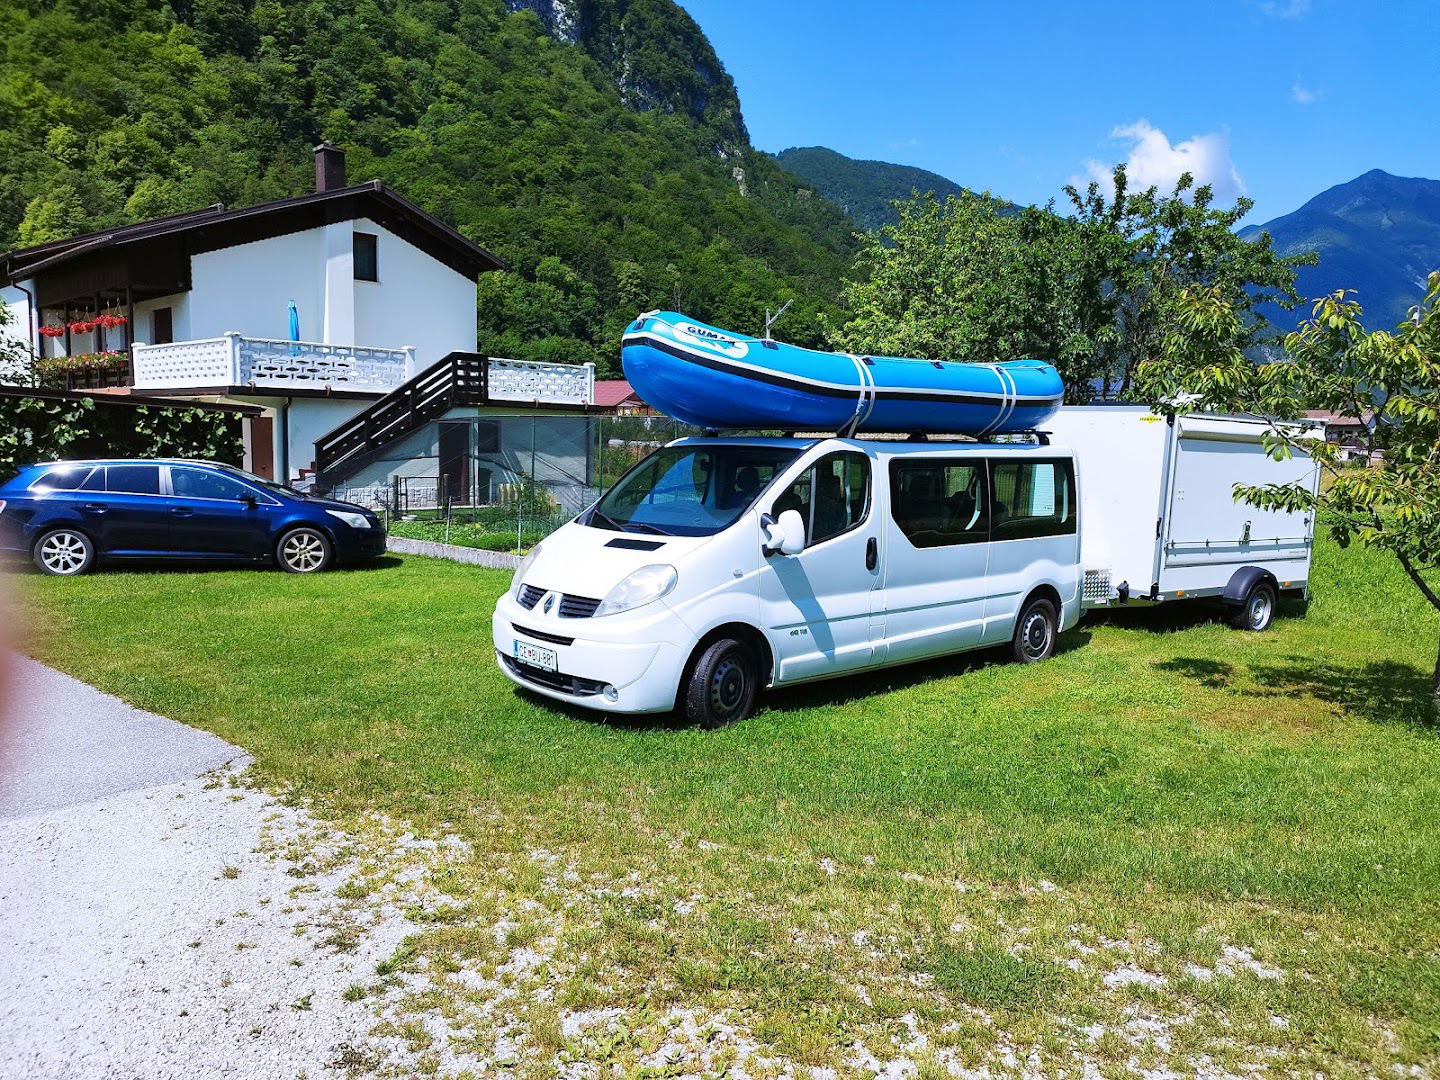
<point x="1176" y="615"/>
<point x="156" y="567"/>
<point x="817" y="694"/>
<point x="1379" y="691"/>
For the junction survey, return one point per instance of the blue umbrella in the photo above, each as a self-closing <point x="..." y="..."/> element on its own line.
<point x="294" y="326"/>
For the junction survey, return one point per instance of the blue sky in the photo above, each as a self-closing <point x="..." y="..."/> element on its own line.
<point x="1276" y="99"/>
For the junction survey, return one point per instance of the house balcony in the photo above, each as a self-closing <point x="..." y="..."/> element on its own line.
<point x="258" y="364"/>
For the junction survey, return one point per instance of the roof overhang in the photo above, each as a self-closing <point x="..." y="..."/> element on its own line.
<point x="107" y="260"/>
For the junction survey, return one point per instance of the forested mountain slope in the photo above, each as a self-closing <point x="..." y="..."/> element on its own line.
<point x="1377" y="234"/>
<point x="597" y="146"/>
<point x="863" y="189"/>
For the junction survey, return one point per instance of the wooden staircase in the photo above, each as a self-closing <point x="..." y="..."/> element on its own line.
<point x="461" y="378"/>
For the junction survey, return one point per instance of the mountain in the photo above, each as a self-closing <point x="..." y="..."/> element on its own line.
<point x="1378" y="234"/>
<point x="596" y="145"/>
<point x="863" y="189"/>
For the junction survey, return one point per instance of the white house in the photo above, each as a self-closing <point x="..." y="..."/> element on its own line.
<point x="313" y="308"/>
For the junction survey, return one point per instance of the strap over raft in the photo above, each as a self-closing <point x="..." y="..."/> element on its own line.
<point x="715" y="379"/>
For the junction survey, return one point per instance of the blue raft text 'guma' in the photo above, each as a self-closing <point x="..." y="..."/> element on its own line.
<point x="715" y="379"/>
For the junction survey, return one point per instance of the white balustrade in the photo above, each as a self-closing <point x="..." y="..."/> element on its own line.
<point x="551" y="384"/>
<point x="234" y="360"/>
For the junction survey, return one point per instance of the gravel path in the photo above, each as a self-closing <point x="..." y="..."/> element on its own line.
<point x="171" y="927"/>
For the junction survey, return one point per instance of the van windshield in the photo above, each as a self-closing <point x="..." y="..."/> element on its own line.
<point x="689" y="490"/>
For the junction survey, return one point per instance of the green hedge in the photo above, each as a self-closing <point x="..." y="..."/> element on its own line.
<point x="37" y="428"/>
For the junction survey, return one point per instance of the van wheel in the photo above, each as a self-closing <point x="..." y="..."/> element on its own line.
<point x="304" y="551"/>
<point x="722" y="685"/>
<point x="1035" y="632"/>
<point x="64" y="553"/>
<point x="1257" y="612"/>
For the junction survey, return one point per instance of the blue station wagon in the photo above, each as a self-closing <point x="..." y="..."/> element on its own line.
<point x="70" y="515"/>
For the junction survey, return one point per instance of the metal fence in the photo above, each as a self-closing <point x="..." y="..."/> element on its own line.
<point x="501" y="482"/>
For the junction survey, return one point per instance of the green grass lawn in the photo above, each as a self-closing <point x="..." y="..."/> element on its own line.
<point x="1172" y="844"/>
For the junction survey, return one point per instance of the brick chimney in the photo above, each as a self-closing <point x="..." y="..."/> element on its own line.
<point x="329" y="167"/>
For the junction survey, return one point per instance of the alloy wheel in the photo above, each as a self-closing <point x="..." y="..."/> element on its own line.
<point x="63" y="553"/>
<point x="304" y="552"/>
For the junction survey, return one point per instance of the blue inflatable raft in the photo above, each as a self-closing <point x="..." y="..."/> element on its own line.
<point x="716" y="379"/>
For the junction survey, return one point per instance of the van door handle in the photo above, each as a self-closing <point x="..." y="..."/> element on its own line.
<point x="872" y="554"/>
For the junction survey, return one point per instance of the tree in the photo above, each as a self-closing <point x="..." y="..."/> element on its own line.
<point x="1331" y="363"/>
<point x="974" y="278"/>
<point x="971" y="278"/>
<point x="17" y="361"/>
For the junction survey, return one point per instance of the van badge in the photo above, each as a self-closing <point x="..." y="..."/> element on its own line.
<point x="549" y="603"/>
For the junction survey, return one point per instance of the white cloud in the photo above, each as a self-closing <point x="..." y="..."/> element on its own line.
<point x="1286" y="9"/>
<point x="1303" y="95"/>
<point x="1152" y="161"/>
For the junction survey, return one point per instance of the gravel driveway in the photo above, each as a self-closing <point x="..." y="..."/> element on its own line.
<point x="159" y="917"/>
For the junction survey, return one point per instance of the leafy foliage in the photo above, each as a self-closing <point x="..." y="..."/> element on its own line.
<point x="34" y="429"/>
<point x="16" y="359"/>
<point x="607" y="195"/>
<point x="1332" y="363"/>
<point x="973" y="279"/>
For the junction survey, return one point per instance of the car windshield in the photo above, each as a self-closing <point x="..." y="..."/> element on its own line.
<point x="689" y="490"/>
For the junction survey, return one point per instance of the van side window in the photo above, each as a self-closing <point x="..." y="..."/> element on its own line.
<point x="938" y="502"/>
<point x="832" y="496"/>
<point x="1032" y="498"/>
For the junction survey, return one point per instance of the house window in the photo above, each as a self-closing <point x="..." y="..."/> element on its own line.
<point x="162" y="326"/>
<point x="367" y="260"/>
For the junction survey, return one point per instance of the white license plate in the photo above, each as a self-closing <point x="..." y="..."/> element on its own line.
<point x="535" y="656"/>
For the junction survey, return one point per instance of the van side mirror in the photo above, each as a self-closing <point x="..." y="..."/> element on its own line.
<point x="787" y="534"/>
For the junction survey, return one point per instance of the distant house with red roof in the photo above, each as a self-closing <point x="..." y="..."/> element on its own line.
<point x="619" y="396"/>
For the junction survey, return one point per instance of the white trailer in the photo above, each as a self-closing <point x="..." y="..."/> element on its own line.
<point x="1158" y="517"/>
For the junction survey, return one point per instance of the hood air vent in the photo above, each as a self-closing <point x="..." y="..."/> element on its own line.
<point x="636" y="545"/>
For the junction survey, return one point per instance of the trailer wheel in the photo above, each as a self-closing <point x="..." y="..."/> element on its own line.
<point x="1035" y="632"/>
<point x="1257" y="611"/>
<point x="722" y="685"/>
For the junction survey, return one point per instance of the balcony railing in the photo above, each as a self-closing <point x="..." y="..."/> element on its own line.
<point x="234" y="360"/>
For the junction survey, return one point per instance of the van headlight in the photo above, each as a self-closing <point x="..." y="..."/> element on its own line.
<point x="520" y="571"/>
<point x="645" y="585"/>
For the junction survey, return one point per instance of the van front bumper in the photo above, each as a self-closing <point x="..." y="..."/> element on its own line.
<point x="618" y="664"/>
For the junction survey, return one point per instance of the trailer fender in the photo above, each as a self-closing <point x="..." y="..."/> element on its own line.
<point x="1242" y="581"/>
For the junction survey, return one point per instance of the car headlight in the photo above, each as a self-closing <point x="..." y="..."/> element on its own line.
<point x="355" y="521"/>
<point x="645" y="585"/>
<point x="520" y="570"/>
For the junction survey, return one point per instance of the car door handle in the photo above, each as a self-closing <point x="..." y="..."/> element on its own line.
<point x="872" y="554"/>
<point x="95" y="508"/>
<point x="180" y="511"/>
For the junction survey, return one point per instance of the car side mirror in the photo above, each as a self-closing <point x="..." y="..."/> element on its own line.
<point x="247" y="499"/>
<point x="786" y="534"/>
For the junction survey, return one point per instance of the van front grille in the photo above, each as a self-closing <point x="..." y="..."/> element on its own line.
<point x="553" y="680"/>
<point x="571" y="606"/>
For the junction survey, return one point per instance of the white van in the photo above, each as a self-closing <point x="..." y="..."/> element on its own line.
<point x="718" y="566"/>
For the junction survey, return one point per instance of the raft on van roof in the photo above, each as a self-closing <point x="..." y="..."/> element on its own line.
<point x="712" y="378"/>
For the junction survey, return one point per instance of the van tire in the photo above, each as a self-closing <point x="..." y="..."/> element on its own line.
<point x="722" y="684"/>
<point x="304" y="551"/>
<point x="1035" y="632"/>
<point x="64" y="553"/>
<point x="1257" y="611"/>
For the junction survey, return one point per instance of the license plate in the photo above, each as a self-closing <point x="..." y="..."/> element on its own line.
<point x="535" y="656"/>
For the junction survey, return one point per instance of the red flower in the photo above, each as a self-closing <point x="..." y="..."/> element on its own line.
<point x="110" y="321"/>
<point x="52" y="331"/>
<point x="81" y="326"/>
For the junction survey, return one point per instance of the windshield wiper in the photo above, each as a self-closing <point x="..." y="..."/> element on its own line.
<point x="653" y="528"/>
<point x="607" y="520"/>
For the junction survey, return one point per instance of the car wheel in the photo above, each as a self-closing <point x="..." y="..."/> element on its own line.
<point x="1257" y="611"/>
<point x="1035" y="632"/>
<point x="722" y="685"/>
<point x="64" y="553"/>
<point x="304" y="551"/>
